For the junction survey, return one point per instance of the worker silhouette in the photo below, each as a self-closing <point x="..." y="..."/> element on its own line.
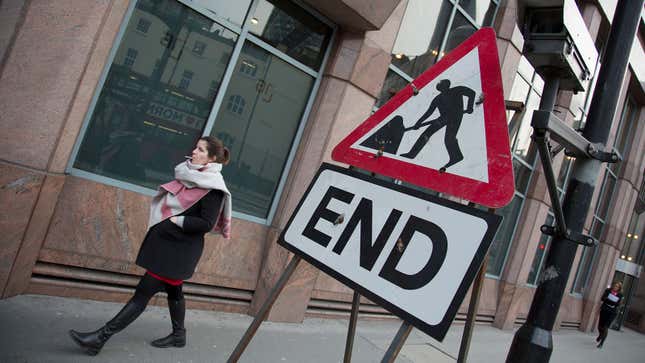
<point x="450" y="103"/>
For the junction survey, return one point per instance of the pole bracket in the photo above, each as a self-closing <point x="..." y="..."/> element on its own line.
<point x="595" y="151"/>
<point x="571" y="236"/>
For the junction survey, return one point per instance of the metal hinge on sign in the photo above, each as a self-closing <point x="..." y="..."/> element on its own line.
<point x="575" y="237"/>
<point x="595" y="152"/>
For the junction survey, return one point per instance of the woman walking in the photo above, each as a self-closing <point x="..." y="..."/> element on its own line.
<point x="181" y="213"/>
<point x="611" y="299"/>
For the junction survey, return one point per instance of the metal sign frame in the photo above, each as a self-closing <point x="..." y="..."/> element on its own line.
<point x="499" y="188"/>
<point x="439" y="330"/>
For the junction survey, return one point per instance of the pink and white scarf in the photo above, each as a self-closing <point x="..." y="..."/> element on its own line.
<point x="192" y="182"/>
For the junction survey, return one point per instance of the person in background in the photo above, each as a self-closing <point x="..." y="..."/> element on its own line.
<point x="611" y="299"/>
<point x="181" y="213"/>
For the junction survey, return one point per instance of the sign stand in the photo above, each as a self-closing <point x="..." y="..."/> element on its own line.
<point x="486" y="180"/>
<point x="351" y="329"/>
<point x="397" y="342"/>
<point x="264" y="310"/>
<point x="464" y="346"/>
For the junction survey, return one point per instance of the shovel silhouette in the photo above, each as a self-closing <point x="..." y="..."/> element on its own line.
<point x="387" y="138"/>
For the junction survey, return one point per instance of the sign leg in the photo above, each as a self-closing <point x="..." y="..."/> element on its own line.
<point x="351" y="330"/>
<point x="472" y="312"/>
<point x="264" y="310"/>
<point x="397" y="343"/>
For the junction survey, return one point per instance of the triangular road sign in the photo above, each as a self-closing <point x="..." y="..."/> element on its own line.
<point x="445" y="131"/>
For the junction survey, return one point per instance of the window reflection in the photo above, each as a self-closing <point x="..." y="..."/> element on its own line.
<point x="522" y="143"/>
<point x="152" y="107"/>
<point x="291" y="30"/>
<point x="392" y="85"/>
<point x="482" y="11"/>
<point x="227" y="11"/>
<point x="540" y="254"/>
<point x="419" y="40"/>
<point x="499" y="246"/>
<point x="460" y="30"/>
<point x="258" y="126"/>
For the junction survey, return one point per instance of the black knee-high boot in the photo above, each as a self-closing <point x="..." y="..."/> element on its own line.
<point x="92" y="342"/>
<point x="177" y="338"/>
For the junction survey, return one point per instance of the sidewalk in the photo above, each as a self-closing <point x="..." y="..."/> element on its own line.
<point x="34" y="329"/>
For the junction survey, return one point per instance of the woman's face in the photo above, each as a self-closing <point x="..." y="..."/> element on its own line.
<point x="200" y="154"/>
<point x="616" y="287"/>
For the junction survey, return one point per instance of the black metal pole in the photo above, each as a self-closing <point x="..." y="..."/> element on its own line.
<point x="533" y="341"/>
<point x="264" y="310"/>
<point x="351" y="329"/>
<point x="397" y="343"/>
<point x="467" y="334"/>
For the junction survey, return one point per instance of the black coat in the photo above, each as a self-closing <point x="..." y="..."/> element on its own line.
<point x="173" y="252"/>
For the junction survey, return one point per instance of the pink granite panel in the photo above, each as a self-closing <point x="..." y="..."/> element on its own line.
<point x="358" y="15"/>
<point x="509" y="59"/>
<point x="19" y="190"/>
<point x="88" y="85"/>
<point x="10" y="17"/>
<point x="506" y="19"/>
<point x="34" y="235"/>
<point x="233" y="262"/>
<point x="385" y="37"/>
<point x="371" y="66"/>
<point x="98" y="220"/>
<point x="353" y="109"/>
<point x="375" y="11"/>
<point x="41" y="75"/>
<point x="346" y="53"/>
<point x="101" y="227"/>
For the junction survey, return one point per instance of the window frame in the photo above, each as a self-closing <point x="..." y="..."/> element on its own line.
<point x="243" y="36"/>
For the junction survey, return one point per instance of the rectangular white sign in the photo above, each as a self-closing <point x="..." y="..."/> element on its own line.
<point x="414" y="254"/>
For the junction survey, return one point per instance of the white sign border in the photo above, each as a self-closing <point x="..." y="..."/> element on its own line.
<point x="439" y="330"/>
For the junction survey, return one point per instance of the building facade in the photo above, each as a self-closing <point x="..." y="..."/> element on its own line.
<point x="100" y="99"/>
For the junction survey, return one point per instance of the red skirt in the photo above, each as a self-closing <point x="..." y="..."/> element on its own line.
<point x="166" y="280"/>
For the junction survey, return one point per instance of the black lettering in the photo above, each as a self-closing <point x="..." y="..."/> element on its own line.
<point x="363" y="216"/>
<point x="428" y="272"/>
<point x="322" y="212"/>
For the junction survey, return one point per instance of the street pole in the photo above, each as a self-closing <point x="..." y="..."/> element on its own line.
<point x="533" y="341"/>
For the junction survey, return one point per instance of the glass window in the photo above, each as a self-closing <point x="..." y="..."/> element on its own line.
<point x="143" y="25"/>
<point x="604" y="199"/>
<point x="522" y="142"/>
<point x="159" y="93"/>
<point x="261" y="137"/>
<point x="563" y="173"/>
<point x="597" y="228"/>
<point x="584" y="270"/>
<point x="460" y="30"/>
<point x="421" y="34"/>
<point x="247" y="67"/>
<point x="150" y="112"/>
<point x="633" y="239"/>
<point x="185" y="79"/>
<point x="624" y="134"/>
<point x="499" y="247"/>
<point x="540" y="254"/>
<point x="522" y="175"/>
<point x="393" y="84"/>
<point x="130" y="57"/>
<point x="290" y="29"/>
<point x="482" y="11"/>
<point x="236" y="104"/>
<point x="227" y="12"/>
<point x="199" y="47"/>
